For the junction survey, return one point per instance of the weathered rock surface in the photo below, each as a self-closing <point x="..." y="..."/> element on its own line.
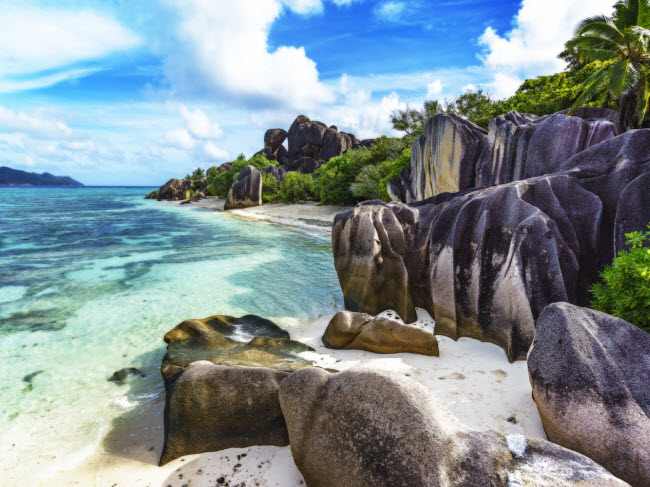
<point x="443" y="159"/>
<point x="247" y="190"/>
<point x="274" y="138"/>
<point x="222" y="376"/>
<point x="278" y="172"/>
<point x="335" y="143"/>
<point x="633" y="211"/>
<point x="304" y="165"/>
<point x="175" y="189"/>
<point x="120" y="376"/>
<point x="590" y="374"/>
<point x="520" y="146"/>
<point x="361" y="428"/>
<point x="225" y="166"/>
<point x="486" y="262"/>
<point x="305" y="138"/>
<point x="152" y="196"/>
<point x="377" y="334"/>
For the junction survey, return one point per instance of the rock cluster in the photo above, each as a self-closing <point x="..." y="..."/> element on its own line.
<point x="485" y="262"/>
<point x="246" y="191"/>
<point x="172" y="190"/>
<point x="361" y="428"/>
<point x="377" y="334"/>
<point x="590" y="374"/>
<point x="222" y="376"/>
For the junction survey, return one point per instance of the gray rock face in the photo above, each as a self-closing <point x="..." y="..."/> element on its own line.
<point x="520" y="146"/>
<point x="221" y="377"/>
<point x="360" y="428"/>
<point x="175" y="189"/>
<point x="277" y="172"/>
<point x="486" y="262"/>
<point x="247" y="190"/>
<point x="305" y="138"/>
<point x="274" y="138"/>
<point x="335" y="143"/>
<point x="590" y="374"/>
<point x="633" y="211"/>
<point x="377" y="334"/>
<point x="225" y="166"/>
<point x="152" y="196"/>
<point x="443" y="158"/>
<point x="304" y="165"/>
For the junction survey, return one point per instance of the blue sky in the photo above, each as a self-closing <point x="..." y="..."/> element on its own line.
<point x="135" y="92"/>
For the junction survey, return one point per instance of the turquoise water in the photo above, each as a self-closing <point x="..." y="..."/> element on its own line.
<point x="91" y="279"/>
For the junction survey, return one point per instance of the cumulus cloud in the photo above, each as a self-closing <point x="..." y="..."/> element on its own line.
<point x="197" y="136"/>
<point x="305" y="7"/>
<point x="391" y="11"/>
<point x="34" y="42"/>
<point x="180" y="139"/>
<point x="434" y="89"/>
<point x="541" y="27"/>
<point x="220" y="48"/>
<point x="35" y="124"/>
<point x="199" y="125"/>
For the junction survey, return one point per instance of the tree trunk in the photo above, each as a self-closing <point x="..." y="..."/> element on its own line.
<point x="627" y="112"/>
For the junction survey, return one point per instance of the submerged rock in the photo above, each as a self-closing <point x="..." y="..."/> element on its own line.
<point x="120" y="376"/>
<point x="485" y="262"/>
<point x="246" y="191"/>
<point x="360" y="428"/>
<point x="590" y="374"/>
<point x="222" y="376"/>
<point x="377" y="334"/>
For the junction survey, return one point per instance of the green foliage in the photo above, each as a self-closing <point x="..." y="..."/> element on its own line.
<point x="622" y="42"/>
<point x="353" y="177"/>
<point x="625" y="290"/>
<point x="209" y="191"/>
<point x="476" y="106"/>
<point x="221" y="181"/>
<point x="296" y="187"/>
<point x="191" y="192"/>
<point x="412" y="121"/>
<point x="270" y="188"/>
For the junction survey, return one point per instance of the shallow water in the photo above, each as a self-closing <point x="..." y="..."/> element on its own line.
<point x="92" y="278"/>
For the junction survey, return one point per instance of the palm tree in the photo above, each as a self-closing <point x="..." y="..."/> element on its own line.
<point x="622" y="42"/>
<point x="198" y="174"/>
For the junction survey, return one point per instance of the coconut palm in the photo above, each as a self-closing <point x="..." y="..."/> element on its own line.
<point x="621" y="42"/>
<point x="198" y="175"/>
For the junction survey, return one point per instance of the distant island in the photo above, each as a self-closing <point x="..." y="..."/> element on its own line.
<point x="14" y="177"/>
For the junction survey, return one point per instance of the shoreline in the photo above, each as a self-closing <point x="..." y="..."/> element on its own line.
<point x="474" y="379"/>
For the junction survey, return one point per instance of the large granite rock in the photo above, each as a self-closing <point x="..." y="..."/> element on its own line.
<point x="305" y="138"/>
<point x="152" y="196"/>
<point x="377" y="334"/>
<point x="633" y="211"/>
<point x="277" y="172"/>
<point x="247" y="190"/>
<point x="221" y="377"/>
<point x="361" y="428"/>
<point x="520" y="146"/>
<point x="443" y="159"/>
<point x="486" y="262"/>
<point x="335" y="143"/>
<point x="590" y="374"/>
<point x="175" y="189"/>
<point x="304" y="165"/>
<point x="274" y="138"/>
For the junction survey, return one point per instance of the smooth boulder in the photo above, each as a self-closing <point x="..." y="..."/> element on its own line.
<point x="335" y="143"/>
<point x="362" y="428"/>
<point x="304" y="165"/>
<point x="590" y="374"/>
<point x="277" y="172"/>
<point x="350" y="331"/>
<point x="246" y="191"/>
<point x="175" y="189"/>
<point x="633" y="211"/>
<point x="305" y="138"/>
<point x="274" y="138"/>
<point x="221" y="378"/>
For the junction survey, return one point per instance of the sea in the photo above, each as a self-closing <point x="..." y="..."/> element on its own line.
<point x="90" y="281"/>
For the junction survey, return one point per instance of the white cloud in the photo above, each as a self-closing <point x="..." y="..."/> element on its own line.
<point x="213" y="153"/>
<point x="33" y="42"/>
<point x="469" y="87"/>
<point x="540" y="30"/>
<point x="180" y="139"/>
<point x="345" y="3"/>
<point x="220" y="48"/>
<point x="434" y="89"/>
<point x="199" y="125"/>
<point x="36" y="124"/>
<point x="390" y="11"/>
<point x="304" y="7"/>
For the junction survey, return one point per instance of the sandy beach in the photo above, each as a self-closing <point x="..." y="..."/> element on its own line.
<point x="472" y="378"/>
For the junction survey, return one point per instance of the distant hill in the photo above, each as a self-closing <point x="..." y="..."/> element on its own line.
<point x="14" y="177"/>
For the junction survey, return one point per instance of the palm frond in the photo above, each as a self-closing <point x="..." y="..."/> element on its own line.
<point x="590" y="87"/>
<point x="605" y="29"/>
<point x="621" y="77"/>
<point x="642" y="89"/>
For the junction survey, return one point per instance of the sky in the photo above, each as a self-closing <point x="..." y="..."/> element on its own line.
<point x="123" y="92"/>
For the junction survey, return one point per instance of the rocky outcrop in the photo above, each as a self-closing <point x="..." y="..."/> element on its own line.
<point x="305" y="138"/>
<point x="377" y="334"/>
<point x="335" y="143"/>
<point x="360" y="428"/>
<point x="225" y="166"/>
<point x="520" y="146"/>
<point x="486" y="262"/>
<point x="222" y="376"/>
<point x="152" y="196"/>
<point x="278" y="172"/>
<point x="247" y="190"/>
<point x="274" y="138"/>
<point x="175" y="189"/>
<point x="633" y="211"/>
<point x="443" y="159"/>
<point x="590" y="374"/>
<point x="304" y="165"/>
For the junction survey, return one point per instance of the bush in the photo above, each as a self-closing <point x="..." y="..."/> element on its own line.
<point x="269" y="188"/>
<point x="221" y="181"/>
<point x="368" y="184"/>
<point x="625" y="290"/>
<point x="191" y="192"/>
<point x="296" y="187"/>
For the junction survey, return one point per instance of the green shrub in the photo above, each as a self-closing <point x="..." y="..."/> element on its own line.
<point x="221" y="181"/>
<point x="296" y="187"/>
<point x="625" y="290"/>
<point x="269" y="188"/>
<point x="191" y="192"/>
<point x="209" y="191"/>
<point x="368" y="184"/>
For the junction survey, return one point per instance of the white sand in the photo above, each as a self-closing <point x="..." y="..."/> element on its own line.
<point x="472" y="378"/>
